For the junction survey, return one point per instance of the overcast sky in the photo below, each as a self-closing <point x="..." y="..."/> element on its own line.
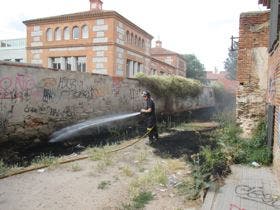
<point x="195" y="27"/>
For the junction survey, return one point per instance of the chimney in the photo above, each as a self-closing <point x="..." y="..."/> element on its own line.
<point x="95" y="5"/>
<point x="159" y="44"/>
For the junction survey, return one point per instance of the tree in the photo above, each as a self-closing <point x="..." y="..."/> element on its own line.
<point x="195" y="69"/>
<point x="230" y="63"/>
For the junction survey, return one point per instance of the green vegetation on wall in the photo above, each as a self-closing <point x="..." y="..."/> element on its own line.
<point x="171" y="85"/>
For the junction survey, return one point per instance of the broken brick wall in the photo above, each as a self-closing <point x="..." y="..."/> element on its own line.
<point x="252" y="69"/>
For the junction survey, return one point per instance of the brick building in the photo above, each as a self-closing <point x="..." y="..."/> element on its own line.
<point x="172" y="58"/>
<point x="97" y="41"/>
<point x="273" y="90"/>
<point x="222" y="78"/>
<point x="252" y="69"/>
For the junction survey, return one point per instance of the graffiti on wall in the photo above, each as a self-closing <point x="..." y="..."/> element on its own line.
<point x="44" y="109"/>
<point x="271" y="89"/>
<point x="75" y="89"/>
<point x="19" y="86"/>
<point x="116" y="87"/>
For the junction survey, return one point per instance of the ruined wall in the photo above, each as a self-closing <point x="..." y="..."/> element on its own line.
<point x="35" y="101"/>
<point x="252" y="69"/>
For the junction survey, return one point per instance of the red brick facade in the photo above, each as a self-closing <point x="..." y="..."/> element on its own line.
<point x="273" y="90"/>
<point x="222" y="78"/>
<point x="169" y="57"/>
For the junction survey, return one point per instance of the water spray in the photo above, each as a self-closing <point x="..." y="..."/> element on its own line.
<point x="66" y="133"/>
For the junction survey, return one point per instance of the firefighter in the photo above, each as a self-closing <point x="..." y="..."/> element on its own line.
<point x="150" y="113"/>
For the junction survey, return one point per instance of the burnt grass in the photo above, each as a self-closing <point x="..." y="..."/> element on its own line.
<point x="180" y="144"/>
<point x="176" y="144"/>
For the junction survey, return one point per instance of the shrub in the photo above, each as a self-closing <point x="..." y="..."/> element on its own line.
<point x="171" y="85"/>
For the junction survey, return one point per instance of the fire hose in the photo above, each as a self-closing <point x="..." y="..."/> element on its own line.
<point x="33" y="168"/>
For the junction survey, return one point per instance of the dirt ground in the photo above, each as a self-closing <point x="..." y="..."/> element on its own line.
<point x="107" y="182"/>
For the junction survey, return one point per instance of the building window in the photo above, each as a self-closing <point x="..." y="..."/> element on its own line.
<point x="127" y="37"/>
<point x="66" y="33"/>
<point x="135" y="40"/>
<point x="139" y="42"/>
<point x="85" y="32"/>
<point x="57" y="34"/>
<point x="56" y="63"/>
<point x="68" y="63"/>
<point x="132" y="68"/>
<point x="81" y="65"/>
<point x="49" y="34"/>
<point x="143" y="43"/>
<point x="131" y="38"/>
<point x="76" y="32"/>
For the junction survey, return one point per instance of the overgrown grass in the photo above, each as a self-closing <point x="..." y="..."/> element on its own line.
<point x="225" y="147"/>
<point x="171" y="85"/>
<point x="102" y="155"/>
<point x="174" y="165"/>
<point x="99" y="153"/>
<point x="127" y="171"/>
<point x="76" y="167"/>
<point x="45" y="160"/>
<point x="142" y="157"/>
<point x="156" y="176"/>
<point x="139" y="201"/>
<point x="3" y="168"/>
<point x="244" y="151"/>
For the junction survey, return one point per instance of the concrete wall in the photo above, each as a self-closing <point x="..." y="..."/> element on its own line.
<point x="252" y="69"/>
<point x="35" y="101"/>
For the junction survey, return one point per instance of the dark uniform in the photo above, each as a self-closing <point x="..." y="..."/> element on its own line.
<point x="151" y="120"/>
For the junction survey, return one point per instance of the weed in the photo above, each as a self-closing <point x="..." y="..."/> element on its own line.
<point x="44" y="160"/>
<point x="104" y="185"/>
<point x="142" y="199"/>
<point x="173" y="165"/>
<point x="142" y="157"/>
<point x="102" y="155"/>
<point x="141" y="169"/>
<point x="139" y="201"/>
<point x="3" y="168"/>
<point x="244" y="151"/>
<point x="96" y="154"/>
<point x="143" y="183"/>
<point x="127" y="171"/>
<point x="101" y="166"/>
<point x="213" y="162"/>
<point x="76" y="167"/>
